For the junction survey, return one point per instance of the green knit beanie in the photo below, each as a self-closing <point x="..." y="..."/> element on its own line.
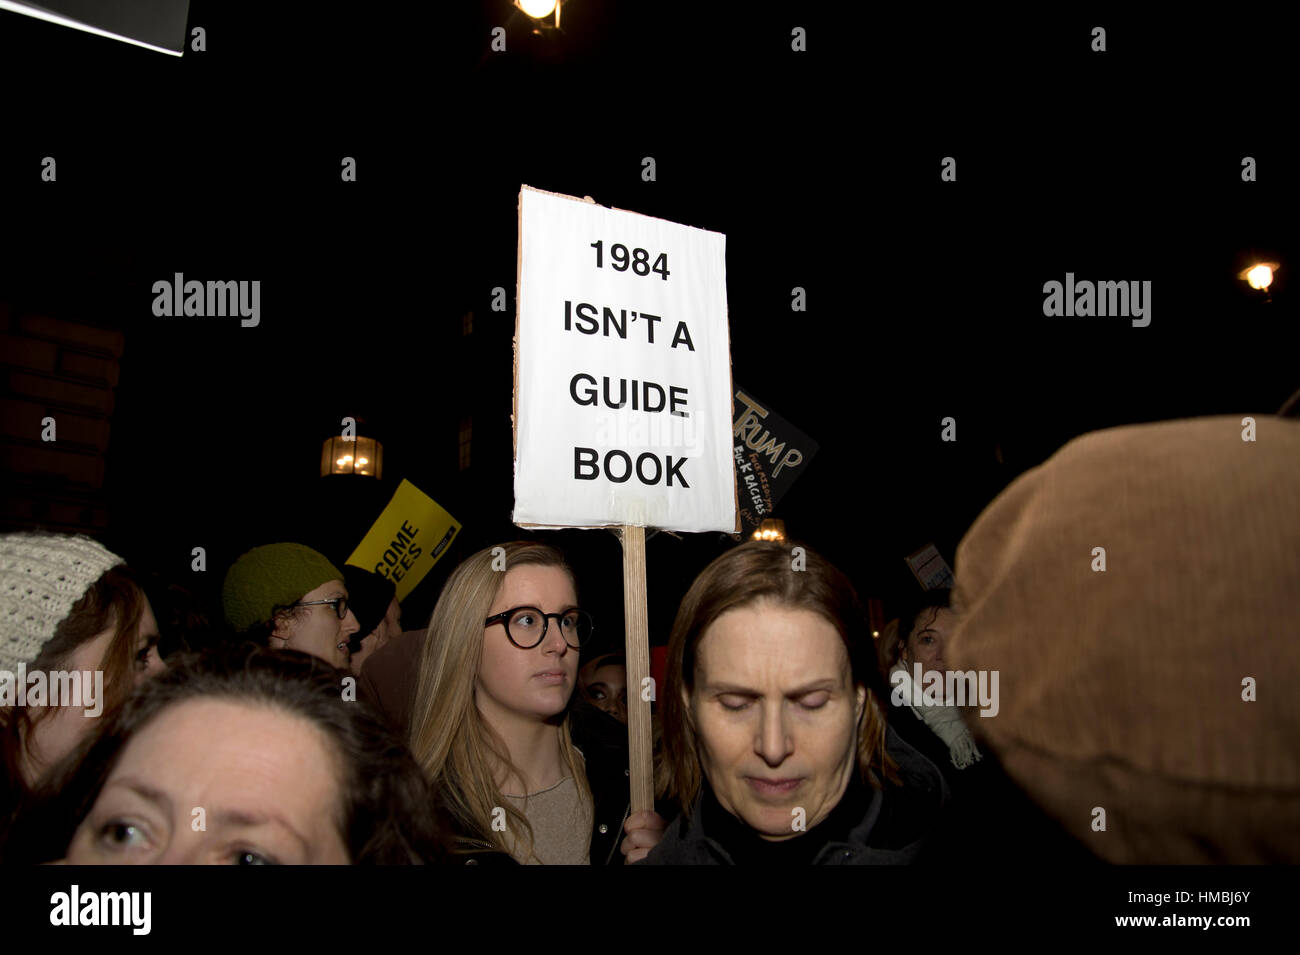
<point x="270" y="576"/>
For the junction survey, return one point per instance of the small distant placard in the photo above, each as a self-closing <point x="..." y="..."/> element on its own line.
<point x="622" y="371"/>
<point x="412" y="533"/>
<point x="770" y="453"/>
<point x="930" y="569"/>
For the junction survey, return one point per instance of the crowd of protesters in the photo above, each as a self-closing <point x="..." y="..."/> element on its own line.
<point x="314" y="730"/>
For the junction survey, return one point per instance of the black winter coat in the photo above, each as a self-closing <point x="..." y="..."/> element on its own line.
<point x="892" y="829"/>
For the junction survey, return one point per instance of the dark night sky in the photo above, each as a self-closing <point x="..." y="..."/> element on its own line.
<point x="924" y="298"/>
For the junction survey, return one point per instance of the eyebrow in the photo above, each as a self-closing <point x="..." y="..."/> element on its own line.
<point x="738" y="690"/>
<point x="235" y="817"/>
<point x="538" y="607"/>
<point x="148" y="793"/>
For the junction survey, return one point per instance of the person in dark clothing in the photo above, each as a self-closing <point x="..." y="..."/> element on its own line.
<point x="373" y="600"/>
<point x="867" y="826"/>
<point x="775" y="746"/>
<point x="988" y="817"/>
<point x="918" y="638"/>
<point x="603" y="682"/>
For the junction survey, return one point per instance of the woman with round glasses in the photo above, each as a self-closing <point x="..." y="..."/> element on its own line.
<point x="521" y="773"/>
<point x="290" y="597"/>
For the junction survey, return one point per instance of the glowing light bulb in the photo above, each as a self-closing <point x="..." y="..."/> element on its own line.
<point x="1260" y="277"/>
<point x="361" y="462"/>
<point x="537" y="8"/>
<point x="341" y="463"/>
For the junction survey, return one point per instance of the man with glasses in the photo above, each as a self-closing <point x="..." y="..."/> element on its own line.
<point x="289" y="596"/>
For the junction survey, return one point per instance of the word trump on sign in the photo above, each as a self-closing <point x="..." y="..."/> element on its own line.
<point x="769" y="453"/>
<point x="622" y="371"/>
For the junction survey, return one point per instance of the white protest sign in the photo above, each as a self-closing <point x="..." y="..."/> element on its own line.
<point x="622" y="371"/>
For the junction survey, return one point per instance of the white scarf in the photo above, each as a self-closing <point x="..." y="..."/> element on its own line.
<point x="944" y="721"/>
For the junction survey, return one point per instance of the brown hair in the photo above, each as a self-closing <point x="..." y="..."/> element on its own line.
<point x="894" y="638"/>
<point x="754" y="571"/>
<point x="115" y="600"/>
<point x="385" y="806"/>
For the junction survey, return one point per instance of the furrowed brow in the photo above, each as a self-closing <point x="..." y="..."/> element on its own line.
<point x="250" y="820"/>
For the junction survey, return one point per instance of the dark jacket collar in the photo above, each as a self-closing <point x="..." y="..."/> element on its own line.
<point x="745" y="847"/>
<point x="877" y="826"/>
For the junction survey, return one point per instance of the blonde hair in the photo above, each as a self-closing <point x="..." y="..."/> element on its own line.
<point x="457" y="748"/>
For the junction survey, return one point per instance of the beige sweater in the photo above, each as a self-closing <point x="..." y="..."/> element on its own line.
<point x="561" y="821"/>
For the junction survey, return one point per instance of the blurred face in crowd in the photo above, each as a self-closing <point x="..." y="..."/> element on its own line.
<point x="531" y="684"/>
<point x="605" y="685"/>
<point x="60" y="732"/>
<point x="394" y="618"/>
<point x="371" y="642"/>
<point x="777" y="715"/>
<point x="389" y="627"/>
<point x="262" y="781"/>
<point x="317" y="629"/>
<point x="928" y="640"/>
<point x="379" y="638"/>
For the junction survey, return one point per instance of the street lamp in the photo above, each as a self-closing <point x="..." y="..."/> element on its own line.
<point x="358" y="455"/>
<point x="541" y="9"/>
<point x="1259" y="276"/>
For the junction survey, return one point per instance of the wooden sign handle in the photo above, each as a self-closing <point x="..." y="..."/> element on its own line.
<point x="637" y="644"/>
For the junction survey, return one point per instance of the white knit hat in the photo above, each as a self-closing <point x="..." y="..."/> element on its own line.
<point x="41" y="577"/>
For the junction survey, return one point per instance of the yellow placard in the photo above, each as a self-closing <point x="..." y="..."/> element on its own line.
<point x="411" y="534"/>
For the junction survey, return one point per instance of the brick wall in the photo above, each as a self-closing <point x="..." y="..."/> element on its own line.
<point x="65" y="370"/>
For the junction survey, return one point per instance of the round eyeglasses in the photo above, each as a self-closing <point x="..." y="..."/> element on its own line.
<point x="526" y="626"/>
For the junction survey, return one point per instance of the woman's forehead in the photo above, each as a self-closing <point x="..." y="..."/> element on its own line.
<point x="768" y="641"/>
<point x="937" y="619"/>
<point x="531" y="583"/>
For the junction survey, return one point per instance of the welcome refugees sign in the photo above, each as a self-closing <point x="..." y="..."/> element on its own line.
<point x="622" y="397"/>
<point x="412" y="533"/>
<point x="622" y="371"/>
